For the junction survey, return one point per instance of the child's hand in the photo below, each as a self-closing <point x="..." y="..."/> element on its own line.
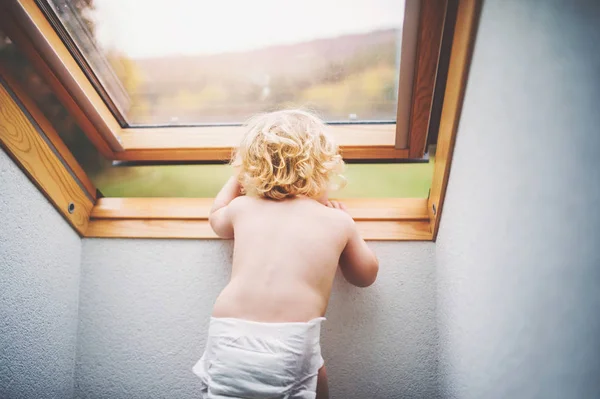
<point x="337" y="205"/>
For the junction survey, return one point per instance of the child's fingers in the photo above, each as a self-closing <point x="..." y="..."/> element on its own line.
<point x="337" y="205"/>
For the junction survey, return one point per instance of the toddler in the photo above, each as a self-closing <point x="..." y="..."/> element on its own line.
<point x="264" y="333"/>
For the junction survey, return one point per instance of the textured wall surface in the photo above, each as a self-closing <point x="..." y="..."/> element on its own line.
<point x="518" y="254"/>
<point x="145" y="306"/>
<point x="516" y="265"/>
<point x="39" y="288"/>
<point x="381" y="342"/>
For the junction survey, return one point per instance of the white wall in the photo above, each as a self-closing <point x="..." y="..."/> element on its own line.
<point x="518" y="254"/>
<point x="39" y="287"/>
<point x="145" y="305"/>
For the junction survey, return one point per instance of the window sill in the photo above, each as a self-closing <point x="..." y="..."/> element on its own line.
<point x="401" y="219"/>
<point x="216" y="143"/>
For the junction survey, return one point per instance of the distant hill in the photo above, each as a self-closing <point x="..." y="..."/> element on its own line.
<point x="293" y="60"/>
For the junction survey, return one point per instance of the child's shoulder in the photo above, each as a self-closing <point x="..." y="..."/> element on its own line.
<point x="300" y="204"/>
<point x="240" y="202"/>
<point x="245" y="202"/>
<point x="335" y="217"/>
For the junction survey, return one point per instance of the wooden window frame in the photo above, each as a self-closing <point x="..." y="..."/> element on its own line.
<point x="32" y="147"/>
<point x="32" y="142"/>
<point x="27" y="24"/>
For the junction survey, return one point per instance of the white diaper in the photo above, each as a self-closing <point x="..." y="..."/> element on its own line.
<point x="247" y="359"/>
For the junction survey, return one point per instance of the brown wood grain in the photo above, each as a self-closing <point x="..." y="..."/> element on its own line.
<point x="460" y="57"/>
<point x="373" y="152"/>
<point x="27" y="26"/>
<point x="377" y="219"/>
<point x="393" y="209"/>
<point x="224" y="154"/>
<point x="218" y="142"/>
<point x="179" y="155"/>
<point x="137" y="228"/>
<point x="394" y="230"/>
<point x="29" y="150"/>
<point x="428" y="49"/>
<point x="200" y="229"/>
<point x="48" y="130"/>
<point x="373" y="209"/>
<point x="230" y="136"/>
<point x="152" y="208"/>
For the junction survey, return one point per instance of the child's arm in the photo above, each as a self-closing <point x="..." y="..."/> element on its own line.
<point x="220" y="215"/>
<point x="358" y="263"/>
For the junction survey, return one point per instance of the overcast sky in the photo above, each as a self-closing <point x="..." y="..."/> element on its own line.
<point x="148" y="28"/>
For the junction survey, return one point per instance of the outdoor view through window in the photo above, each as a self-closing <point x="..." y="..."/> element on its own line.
<point x="363" y="46"/>
<point x="217" y="62"/>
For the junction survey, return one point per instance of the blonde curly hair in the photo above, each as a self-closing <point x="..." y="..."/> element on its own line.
<point x="287" y="153"/>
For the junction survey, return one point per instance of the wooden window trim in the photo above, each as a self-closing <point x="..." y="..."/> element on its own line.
<point x="378" y="219"/>
<point x="24" y="142"/>
<point x="200" y="229"/>
<point x="48" y="130"/>
<point x="458" y="69"/>
<point x="198" y="208"/>
<point x="187" y="144"/>
<point x="26" y="23"/>
<point x="432" y="17"/>
<point x="46" y="49"/>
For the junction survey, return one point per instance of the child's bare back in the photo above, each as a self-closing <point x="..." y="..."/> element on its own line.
<point x="285" y="258"/>
<point x="264" y="334"/>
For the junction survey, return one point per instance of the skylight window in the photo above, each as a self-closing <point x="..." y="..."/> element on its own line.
<point x="72" y="71"/>
<point x="187" y="63"/>
<point x="174" y="81"/>
<point x="379" y="180"/>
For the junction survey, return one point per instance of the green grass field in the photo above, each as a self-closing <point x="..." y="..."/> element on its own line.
<point x="364" y="181"/>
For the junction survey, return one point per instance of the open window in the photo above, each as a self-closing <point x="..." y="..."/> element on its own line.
<point x="115" y="88"/>
<point x="175" y="83"/>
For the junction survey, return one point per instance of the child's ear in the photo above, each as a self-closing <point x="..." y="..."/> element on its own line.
<point x="241" y="189"/>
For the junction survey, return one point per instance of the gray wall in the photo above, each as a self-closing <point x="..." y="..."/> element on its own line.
<point x="518" y="254"/>
<point x="39" y="287"/>
<point x="145" y="305"/>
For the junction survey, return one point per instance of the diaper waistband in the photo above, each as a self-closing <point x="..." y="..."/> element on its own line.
<point x="226" y="326"/>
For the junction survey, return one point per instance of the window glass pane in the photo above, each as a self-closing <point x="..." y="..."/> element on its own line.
<point x="34" y="86"/>
<point x="201" y="62"/>
<point x="364" y="180"/>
